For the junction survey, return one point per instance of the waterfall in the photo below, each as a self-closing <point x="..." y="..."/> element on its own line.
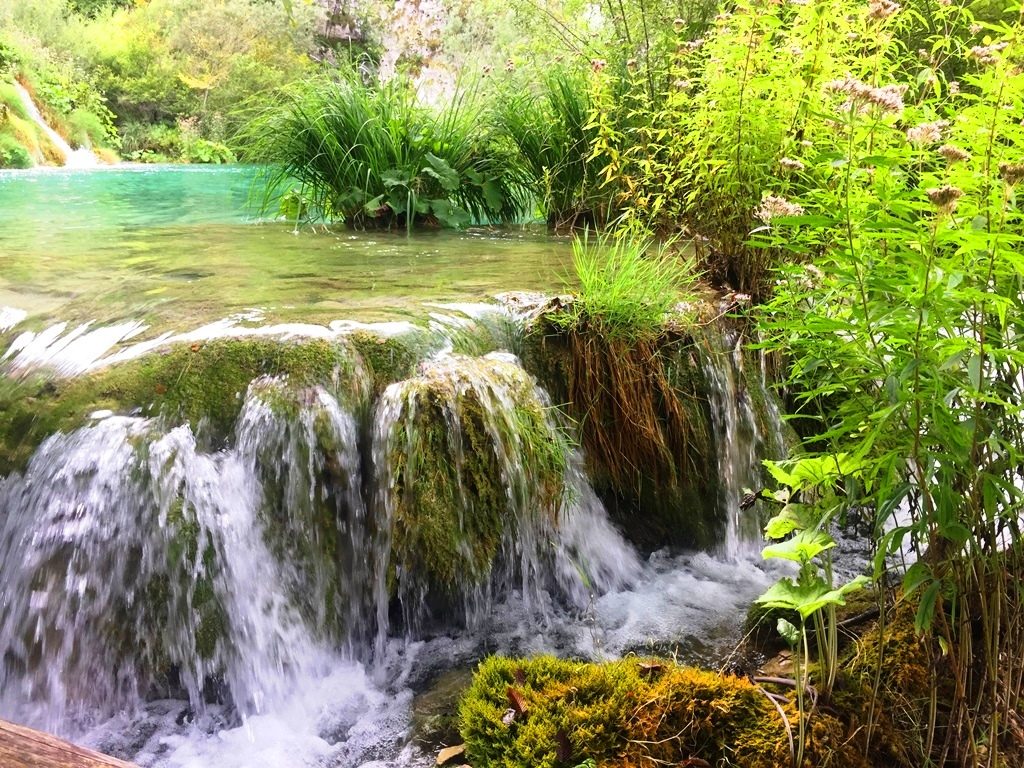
<point x="136" y="556"/>
<point x="289" y="574"/>
<point x="741" y="437"/>
<point x="73" y="158"/>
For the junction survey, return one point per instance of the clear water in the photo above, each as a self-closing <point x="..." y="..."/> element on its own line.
<point x="140" y="252"/>
<point x="174" y="245"/>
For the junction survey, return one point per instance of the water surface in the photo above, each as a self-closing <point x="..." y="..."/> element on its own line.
<point x="174" y="245"/>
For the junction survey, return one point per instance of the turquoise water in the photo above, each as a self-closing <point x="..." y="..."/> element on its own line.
<point x="173" y="246"/>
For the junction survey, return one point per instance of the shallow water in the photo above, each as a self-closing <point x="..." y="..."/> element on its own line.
<point x="160" y="244"/>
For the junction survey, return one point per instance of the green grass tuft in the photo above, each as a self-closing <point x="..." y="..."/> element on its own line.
<point x="626" y="289"/>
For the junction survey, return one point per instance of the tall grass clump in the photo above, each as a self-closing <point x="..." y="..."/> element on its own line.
<point x="551" y="132"/>
<point x="372" y="156"/>
<point x="617" y="336"/>
<point x="626" y="286"/>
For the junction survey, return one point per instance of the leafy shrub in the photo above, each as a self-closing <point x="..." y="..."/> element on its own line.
<point x="86" y="129"/>
<point x="12" y="153"/>
<point x="372" y="156"/>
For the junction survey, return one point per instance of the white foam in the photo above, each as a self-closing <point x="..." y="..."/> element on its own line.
<point x="11" y="317"/>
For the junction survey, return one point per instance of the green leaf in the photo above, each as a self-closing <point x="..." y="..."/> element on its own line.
<point x="395" y="178"/>
<point x="802" y="548"/>
<point x="810" y="597"/>
<point x="440" y="170"/>
<point x="974" y="371"/>
<point x="450" y="215"/>
<point x="493" y="195"/>
<point x="789" y="633"/>
<point x="926" y="609"/>
<point x="792" y="517"/>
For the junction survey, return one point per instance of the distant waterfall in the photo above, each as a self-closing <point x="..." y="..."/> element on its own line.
<point x="73" y="158"/>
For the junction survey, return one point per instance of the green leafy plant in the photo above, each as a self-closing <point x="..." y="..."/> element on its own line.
<point x="801" y="533"/>
<point x="903" y="340"/>
<point x="550" y="129"/>
<point x="372" y="156"/>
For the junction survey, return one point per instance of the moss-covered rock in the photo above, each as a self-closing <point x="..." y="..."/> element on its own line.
<point x="469" y="457"/>
<point x="549" y="713"/>
<point x="201" y="384"/>
<point x="392" y="357"/>
<point x="887" y="682"/>
<point x="304" y="445"/>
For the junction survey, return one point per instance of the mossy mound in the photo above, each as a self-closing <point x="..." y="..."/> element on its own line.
<point x="894" y="658"/>
<point x="202" y="384"/>
<point x="645" y="424"/>
<point x="471" y="459"/>
<point x="392" y="357"/>
<point x="548" y="713"/>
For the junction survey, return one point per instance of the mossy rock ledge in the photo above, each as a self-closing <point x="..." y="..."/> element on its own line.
<point x="470" y="460"/>
<point x="201" y="384"/>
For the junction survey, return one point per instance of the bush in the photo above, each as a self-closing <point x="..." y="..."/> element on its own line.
<point x="372" y="156"/>
<point x="12" y="153"/>
<point x="551" y="130"/>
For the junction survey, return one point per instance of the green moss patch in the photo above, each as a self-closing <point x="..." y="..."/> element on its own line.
<point x="201" y="384"/>
<point x="392" y="358"/>
<point x="549" y="713"/>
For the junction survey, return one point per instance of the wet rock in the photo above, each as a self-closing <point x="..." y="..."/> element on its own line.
<point x="435" y="720"/>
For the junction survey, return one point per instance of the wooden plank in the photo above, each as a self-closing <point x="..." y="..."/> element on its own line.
<point x="22" y="747"/>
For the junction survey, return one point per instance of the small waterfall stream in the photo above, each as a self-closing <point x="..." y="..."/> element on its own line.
<point x="73" y="158"/>
<point x="181" y="602"/>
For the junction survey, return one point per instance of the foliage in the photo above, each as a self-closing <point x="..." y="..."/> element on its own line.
<point x="550" y="129"/>
<point x="626" y="290"/>
<point x="12" y="153"/>
<point x="372" y="156"/>
<point x="802" y="532"/>
<point x="905" y="334"/>
<point x="111" y="64"/>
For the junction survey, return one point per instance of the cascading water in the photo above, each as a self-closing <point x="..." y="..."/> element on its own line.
<point x="179" y="601"/>
<point x="740" y="443"/>
<point x="73" y="158"/>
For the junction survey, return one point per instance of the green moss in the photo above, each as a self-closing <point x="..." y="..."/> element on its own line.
<point x="202" y="384"/>
<point x="394" y="357"/>
<point x="893" y="657"/>
<point x="453" y="500"/>
<point x="305" y="487"/>
<point x="632" y="714"/>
